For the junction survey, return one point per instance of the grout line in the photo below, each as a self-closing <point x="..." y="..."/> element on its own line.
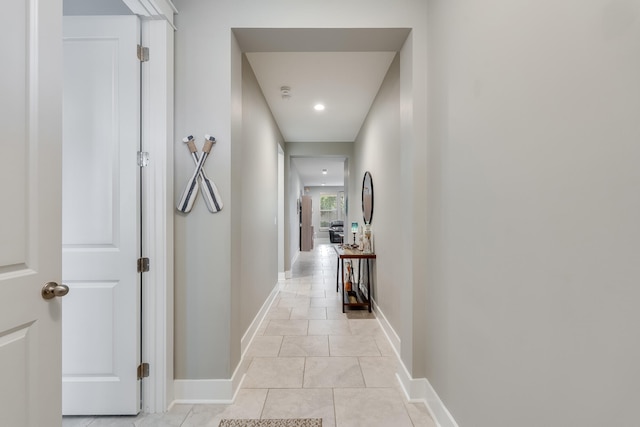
<point x="186" y="416"/>
<point x="264" y="404"/>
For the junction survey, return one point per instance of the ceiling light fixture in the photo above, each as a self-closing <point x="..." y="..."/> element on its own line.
<point x="318" y="107"/>
<point x="324" y="171"/>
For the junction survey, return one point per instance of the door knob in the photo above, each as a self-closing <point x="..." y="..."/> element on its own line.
<point x="52" y="289"/>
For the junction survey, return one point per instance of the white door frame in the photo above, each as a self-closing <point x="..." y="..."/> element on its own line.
<point x="157" y="139"/>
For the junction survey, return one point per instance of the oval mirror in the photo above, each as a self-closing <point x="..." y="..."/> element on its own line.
<point x="367" y="198"/>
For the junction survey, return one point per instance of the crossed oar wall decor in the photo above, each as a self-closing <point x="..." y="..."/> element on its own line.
<point x="199" y="179"/>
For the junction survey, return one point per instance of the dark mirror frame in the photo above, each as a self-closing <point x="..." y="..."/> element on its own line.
<point x="367" y="198"/>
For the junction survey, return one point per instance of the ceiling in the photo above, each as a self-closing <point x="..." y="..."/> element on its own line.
<point x="310" y="171"/>
<point x="342" y="68"/>
<point x="346" y="83"/>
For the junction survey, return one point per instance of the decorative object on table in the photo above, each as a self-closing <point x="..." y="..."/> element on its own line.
<point x="367" y="198"/>
<point x="367" y="240"/>
<point x="351" y="296"/>
<point x="354" y="230"/>
<point x="293" y="422"/>
<point x="348" y="280"/>
<point x="209" y="189"/>
<point x="360" y="242"/>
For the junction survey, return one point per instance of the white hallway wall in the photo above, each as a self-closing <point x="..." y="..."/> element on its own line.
<point x="534" y="219"/>
<point x="208" y="94"/>
<point x="520" y="266"/>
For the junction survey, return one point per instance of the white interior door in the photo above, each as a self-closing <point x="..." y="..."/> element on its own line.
<point x="30" y="165"/>
<point x="100" y="216"/>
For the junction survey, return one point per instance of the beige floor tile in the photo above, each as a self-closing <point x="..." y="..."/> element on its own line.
<point x="279" y="313"/>
<point x="122" y="421"/>
<point x="316" y="313"/>
<point x="365" y="327"/>
<point x="306" y="403"/>
<point x="275" y="372"/>
<point x="296" y="288"/>
<point x="289" y="292"/>
<point x="161" y="420"/>
<point x="379" y="371"/>
<point x="294" y="301"/>
<point x="328" y="287"/>
<point x="248" y="404"/>
<point x="353" y="345"/>
<point x="325" y="302"/>
<point x="334" y="313"/>
<point x="370" y="407"/>
<point x="264" y="346"/>
<point x="329" y="327"/>
<point x="332" y="372"/>
<point x="76" y="421"/>
<point x="317" y="345"/>
<point x="315" y="293"/>
<point x="419" y="415"/>
<point x="386" y="349"/>
<point x="287" y="327"/>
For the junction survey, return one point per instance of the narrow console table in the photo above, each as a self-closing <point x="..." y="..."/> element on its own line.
<point x="350" y="253"/>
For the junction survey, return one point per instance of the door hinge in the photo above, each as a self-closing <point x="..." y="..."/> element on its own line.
<point x="143" y="265"/>
<point x="143" y="159"/>
<point x="143" y="53"/>
<point x="143" y="370"/>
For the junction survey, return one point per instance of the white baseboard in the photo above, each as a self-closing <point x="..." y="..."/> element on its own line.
<point x="257" y="320"/>
<point x="282" y="275"/>
<point x="393" y="338"/>
<point x="223" y="391"/>
<point x="203" y="391"/>
<point x="420" y="390"/>
<point x="416" y="389"/>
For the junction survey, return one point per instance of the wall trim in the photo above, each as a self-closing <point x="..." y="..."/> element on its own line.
<point x="421" y="390"/>
<point x="203" y="391"/>
<point x="391" y="334"/>
<point x="247" y="338"/>
<point x="282" y="275"/>
<point x="224" y="391"/>
<point x="157" y="321"/>
<point x="417" y="390"/>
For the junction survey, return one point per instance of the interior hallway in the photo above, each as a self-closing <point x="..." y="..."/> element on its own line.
<point x="308" y="360"/>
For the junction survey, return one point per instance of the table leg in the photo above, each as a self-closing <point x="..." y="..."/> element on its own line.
<point x="338" y="275"/>
<point x="342" y="302"/>
<point x="368" y="286"/>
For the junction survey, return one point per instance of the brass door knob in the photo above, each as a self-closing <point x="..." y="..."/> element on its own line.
<point x="52" y="289"/>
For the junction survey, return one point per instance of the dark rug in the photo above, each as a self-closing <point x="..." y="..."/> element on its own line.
<point x="297" y="422"/>
<point x="359" y="314"/>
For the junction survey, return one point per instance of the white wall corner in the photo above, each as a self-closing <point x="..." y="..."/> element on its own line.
<point x="420" y="390"/>
<point x="415" y="389"/>
<point x="257" y="320"/>
<point x="223" y="391"/>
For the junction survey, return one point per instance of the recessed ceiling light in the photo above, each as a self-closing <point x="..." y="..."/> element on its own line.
<point x="324" y="171"/>
<point x="318" y="107"/>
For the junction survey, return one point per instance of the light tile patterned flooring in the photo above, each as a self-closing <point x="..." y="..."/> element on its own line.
<point x="308" y="360"/>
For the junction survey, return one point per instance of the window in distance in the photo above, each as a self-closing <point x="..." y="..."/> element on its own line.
<point x="328" y="209"/>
